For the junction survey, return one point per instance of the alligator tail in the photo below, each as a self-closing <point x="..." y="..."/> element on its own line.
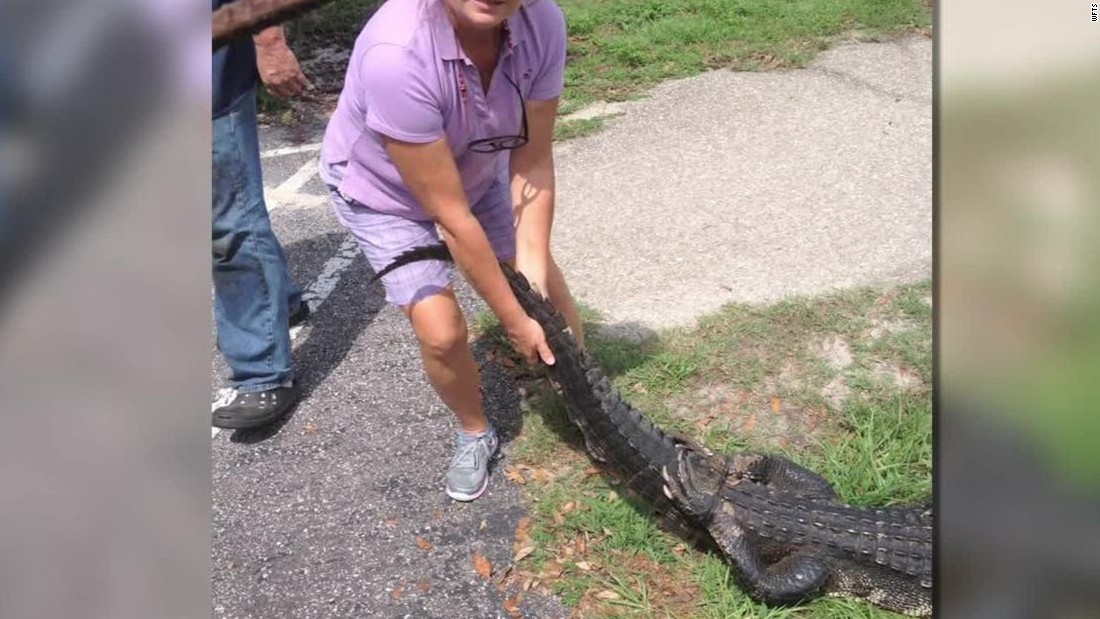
<point x="416" y="254"/>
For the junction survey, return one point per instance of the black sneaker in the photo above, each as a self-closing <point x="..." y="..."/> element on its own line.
<point x="252" y="410"/>
<point x="299" y="314"/>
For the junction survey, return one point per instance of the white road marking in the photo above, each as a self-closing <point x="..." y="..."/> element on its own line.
<point x="315" y="294"/>
<point x="287" y="193"/>
<point x="301" y="177"/>
<point x="291" y="150"/>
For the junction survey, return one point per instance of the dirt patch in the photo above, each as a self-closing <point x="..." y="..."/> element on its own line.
<point x="882" y="327"/>
<point x="325" y="68"/>
<point x="765" y="420"/>
<point x="835" y="351"/>
<point x="903" y="379"/>
<point x="835" y="392"/>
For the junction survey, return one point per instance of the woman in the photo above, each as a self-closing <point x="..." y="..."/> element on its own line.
<point x="445" y="122"/>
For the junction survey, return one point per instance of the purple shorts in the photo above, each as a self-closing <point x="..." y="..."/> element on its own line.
<point x="383" y="237"/>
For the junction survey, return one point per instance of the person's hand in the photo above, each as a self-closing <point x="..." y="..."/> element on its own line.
<point x="279" y="69"/>
<point x="529" y="340"/>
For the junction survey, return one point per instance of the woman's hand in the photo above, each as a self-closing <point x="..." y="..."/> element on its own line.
<point x="529" y="340"/>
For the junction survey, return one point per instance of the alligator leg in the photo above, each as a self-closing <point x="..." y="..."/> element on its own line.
<point x="781" y="474"/>
<point x="797" y="577"/>
<point x="693" y="488"/>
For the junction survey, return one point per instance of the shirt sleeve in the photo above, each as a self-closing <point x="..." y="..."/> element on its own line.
<point x="550" y="79"/>
<point x="400" y="102"/>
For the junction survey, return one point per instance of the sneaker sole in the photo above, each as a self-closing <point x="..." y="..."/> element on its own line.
<point x="229" y="422"/>
<point x="460" y="496"/>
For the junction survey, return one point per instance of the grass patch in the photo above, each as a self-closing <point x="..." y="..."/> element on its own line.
<point x="566" y="129"/>
<point x="618" y="48"/>
<point x="745" y="362"/>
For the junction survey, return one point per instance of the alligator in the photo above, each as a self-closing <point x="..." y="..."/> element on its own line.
<point x="250" y="16"/>
<point x="780" y="526"/>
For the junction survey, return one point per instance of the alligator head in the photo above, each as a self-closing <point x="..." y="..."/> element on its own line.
<point x="696" y="483"/>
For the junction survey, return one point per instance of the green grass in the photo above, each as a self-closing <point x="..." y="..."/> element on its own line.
<point x="874" y="445"/>
<point x="618" y="48"/>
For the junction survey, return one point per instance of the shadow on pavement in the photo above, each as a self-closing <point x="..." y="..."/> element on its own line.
<point x="327" y="335"/>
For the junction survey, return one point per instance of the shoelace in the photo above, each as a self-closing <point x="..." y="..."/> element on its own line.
<point x="469" y="451"/>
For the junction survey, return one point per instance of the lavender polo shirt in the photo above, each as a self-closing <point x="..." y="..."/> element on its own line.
<point x="409" y="79"/>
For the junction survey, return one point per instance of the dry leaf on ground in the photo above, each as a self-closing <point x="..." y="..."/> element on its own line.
<point x="523" y="529"/>
<point x="511" y="605"/>
<point x="552" y="569"/>
<point x="607" y="594"/>
<point x="422" y="543"/>
<point x="482" y="565"/>
<point x="515" y="476"/>
<point x="523" y="553"/>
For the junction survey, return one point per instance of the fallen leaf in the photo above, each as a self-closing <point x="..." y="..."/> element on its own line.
<point x="568" y="507"/>
<point x="511" y="605"/>
<point x="523" y="529"/>
<point x="607" y="594"/>
<point x="482" y="565"/>
<point x="422" y="543"/>
<point x="523" y="553"/>
<point x="422" y="585"/>
<point x="584" y="565"/>
<point x="552" y="569"/>
<point x="559" y="519"/>
<point x="542" y="475"/>
<point x="705" y="422"/>
<point x="591" y="470"/>
<point x="502" y="576"/>
<point x="582" y="545"/>
<point x="397" y="593"/>
<point x="777" y="404"/>
<point x="484" y="523"/>
<point x="310" y="428"/>
<point x="515" y="476"/>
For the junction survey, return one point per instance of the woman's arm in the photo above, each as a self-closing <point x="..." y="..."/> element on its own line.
<point x="430" y="173"/>
<point x="532" y="169"/>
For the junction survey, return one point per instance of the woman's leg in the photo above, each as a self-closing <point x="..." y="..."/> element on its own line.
<point x="448" y="361"/>
<point x="423" y="291"/>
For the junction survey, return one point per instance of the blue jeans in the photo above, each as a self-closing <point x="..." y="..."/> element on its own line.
<point x="253" y="292"/>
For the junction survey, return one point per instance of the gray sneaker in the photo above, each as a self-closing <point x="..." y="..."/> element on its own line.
<point x="468" y="475"/>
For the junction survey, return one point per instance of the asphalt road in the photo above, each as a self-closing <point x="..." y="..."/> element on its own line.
<point x="723" y="187"/>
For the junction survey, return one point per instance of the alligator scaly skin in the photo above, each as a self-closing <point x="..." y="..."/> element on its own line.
<point x="779" y="525"/>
